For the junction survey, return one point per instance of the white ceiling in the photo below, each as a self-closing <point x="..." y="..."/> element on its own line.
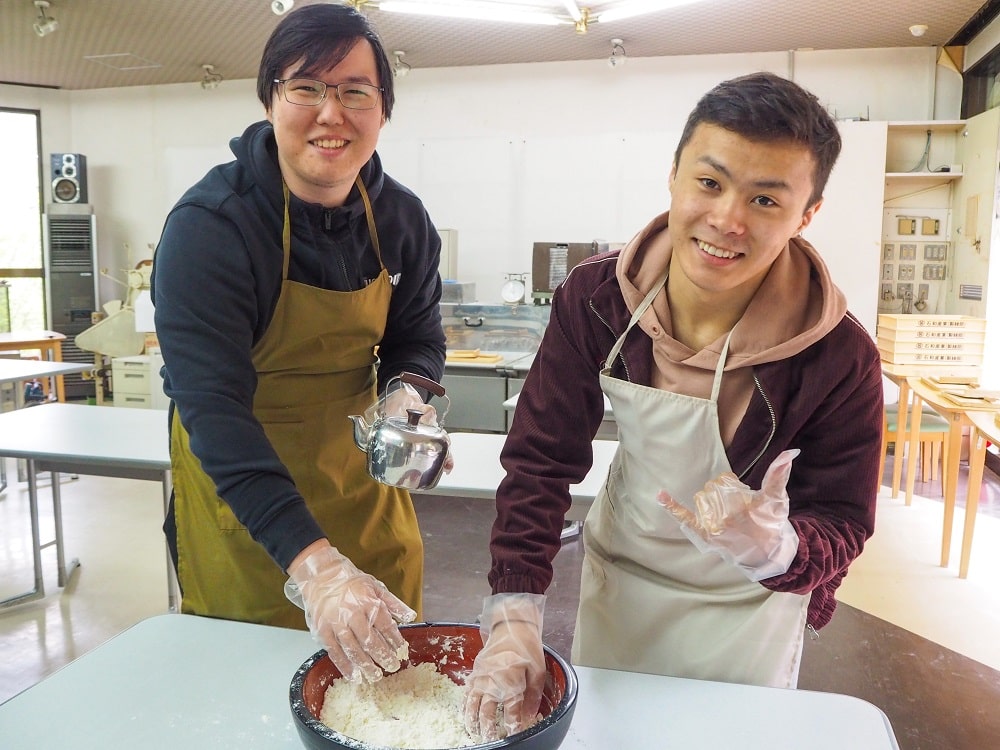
<point x="168" y="41"/>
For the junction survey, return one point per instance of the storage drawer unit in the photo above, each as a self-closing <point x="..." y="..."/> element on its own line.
<point x="136" y="382"/>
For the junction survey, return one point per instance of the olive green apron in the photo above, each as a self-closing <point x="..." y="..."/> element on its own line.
<point x="315" y="366"/>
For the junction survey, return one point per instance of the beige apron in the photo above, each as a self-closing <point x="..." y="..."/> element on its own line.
<point x="649" y="600"/>
<point x="315" y="366"/>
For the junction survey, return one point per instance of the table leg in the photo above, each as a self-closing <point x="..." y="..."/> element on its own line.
<point x="977" y="458"/>
<point x="913" y="449"/>
<point x="55" y="354"/>
<point x="64" y="572"/>
<point x="173" y="587"/>
<point x="36" y="546"/>
<point x="950" y="481"/>
<point x="897" y="464"/>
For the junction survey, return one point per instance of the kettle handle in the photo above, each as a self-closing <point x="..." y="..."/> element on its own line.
<point x="419" y="380"/>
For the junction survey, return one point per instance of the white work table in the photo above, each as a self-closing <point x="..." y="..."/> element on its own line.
<point x="19" y="370"/>
<point x="180" y="681"/>
<point x="82" y="439"/>
<point x="608" y="429"/>
<point x="478" y="472"/>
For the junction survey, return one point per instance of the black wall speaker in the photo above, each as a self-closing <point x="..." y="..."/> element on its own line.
<point x="69" y="178"/>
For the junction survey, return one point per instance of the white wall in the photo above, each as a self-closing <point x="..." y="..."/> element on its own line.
<point x="507" y="155"/>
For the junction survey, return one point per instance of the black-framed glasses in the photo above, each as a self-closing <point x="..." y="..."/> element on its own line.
<point x="307" y="92"/>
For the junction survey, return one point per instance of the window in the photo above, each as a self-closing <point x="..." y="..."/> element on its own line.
<point x="20" y="219"/>
<point x="981" y="85"/>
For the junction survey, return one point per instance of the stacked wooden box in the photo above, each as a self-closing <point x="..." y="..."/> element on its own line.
<point x="947" y="342"/>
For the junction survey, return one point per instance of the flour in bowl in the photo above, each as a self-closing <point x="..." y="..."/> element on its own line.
<point x="414" y="708"/>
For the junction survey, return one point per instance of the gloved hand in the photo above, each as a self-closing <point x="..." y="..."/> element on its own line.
<point x="352" y="614"/>
<point x="509" y="672"/>
<point x="747" y="527"/>
<point x="397" y="403"/>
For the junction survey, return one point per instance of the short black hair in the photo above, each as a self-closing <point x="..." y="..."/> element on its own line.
<point x="765" y="107"/>
<point x="321" y="36"/>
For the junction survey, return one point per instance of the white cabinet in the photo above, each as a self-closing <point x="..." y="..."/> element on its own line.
<point x="448" y="267"/>
<point x="922" y="151"/>
<point x="847" y="229"/>
<point x="136" y="382"/>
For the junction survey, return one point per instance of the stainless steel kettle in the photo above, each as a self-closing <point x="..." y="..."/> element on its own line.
<point x="402" y="452"/>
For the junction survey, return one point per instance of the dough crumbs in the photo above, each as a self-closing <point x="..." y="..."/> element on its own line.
<point x="415" y="708"/>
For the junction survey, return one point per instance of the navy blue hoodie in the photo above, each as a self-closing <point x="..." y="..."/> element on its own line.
<point x="215" y="283"/>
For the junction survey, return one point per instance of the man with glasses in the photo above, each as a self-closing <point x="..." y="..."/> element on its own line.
<point x="277" y="278"/>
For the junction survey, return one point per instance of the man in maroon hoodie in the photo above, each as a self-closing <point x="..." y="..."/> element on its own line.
<point x="748" y="402"/>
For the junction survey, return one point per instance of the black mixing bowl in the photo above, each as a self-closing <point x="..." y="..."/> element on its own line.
<point x="452" y="648"/>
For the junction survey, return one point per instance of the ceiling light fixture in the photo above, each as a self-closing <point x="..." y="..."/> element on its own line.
<point x="45" y="24"/>
<point x="400" y="69"/>
<point x="638" y="7"/>
<point x="517" y="12"/>
<point x="281" y="7"/>
<point x="471" y="9"/>
<point x="918" y="29"/>
<point x="618" y="57"/>
<point x="211" y="79"/>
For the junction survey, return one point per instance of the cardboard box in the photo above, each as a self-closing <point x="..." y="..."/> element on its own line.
<point x="939" y="323"/>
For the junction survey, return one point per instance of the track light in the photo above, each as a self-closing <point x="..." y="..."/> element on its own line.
<point x="617" y="58"/>
<point x="400" y="69"/>
<point x="281" y="7"/>
<point x="211" y="79"/>
<point x="45" y="24"/>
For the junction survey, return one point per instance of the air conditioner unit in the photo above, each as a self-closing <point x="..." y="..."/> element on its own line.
<point x="69" y="241"/>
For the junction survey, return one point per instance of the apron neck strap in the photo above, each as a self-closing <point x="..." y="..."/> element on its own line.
<point x="369" y="216"/>
<point x="643" y="306"/>
<point x="286" y="227"/>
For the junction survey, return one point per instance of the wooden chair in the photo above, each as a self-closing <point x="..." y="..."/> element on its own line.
<point x="933" y="441"/>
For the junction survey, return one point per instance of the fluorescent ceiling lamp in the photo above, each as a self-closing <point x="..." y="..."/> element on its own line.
<point x="638" y="7"/>
<point x="467" y="9"/>
<point x="573" y="9"/>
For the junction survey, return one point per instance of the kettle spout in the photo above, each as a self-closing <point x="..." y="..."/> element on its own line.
<point x="362" y="431"/>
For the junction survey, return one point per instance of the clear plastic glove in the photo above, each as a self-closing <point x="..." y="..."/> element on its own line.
<point x="397" y="403"/>
<point x="351" y="614"/>
<point x="747" y="527"/>
<point x="509" y="673"/>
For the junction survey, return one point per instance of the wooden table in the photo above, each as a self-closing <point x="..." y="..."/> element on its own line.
<point x="82" y="439"/>
<point x="901" y="435"/>
<point x="181" y="681"/>
<point x="957" y="419"/>
<point x="984" y="429"/>
<point x="48" y="342"/>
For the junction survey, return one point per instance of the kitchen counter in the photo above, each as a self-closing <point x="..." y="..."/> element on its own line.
<point x="477" y="388"/>
<point x="487" y="360"/>
<point x="180" y="681"/>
